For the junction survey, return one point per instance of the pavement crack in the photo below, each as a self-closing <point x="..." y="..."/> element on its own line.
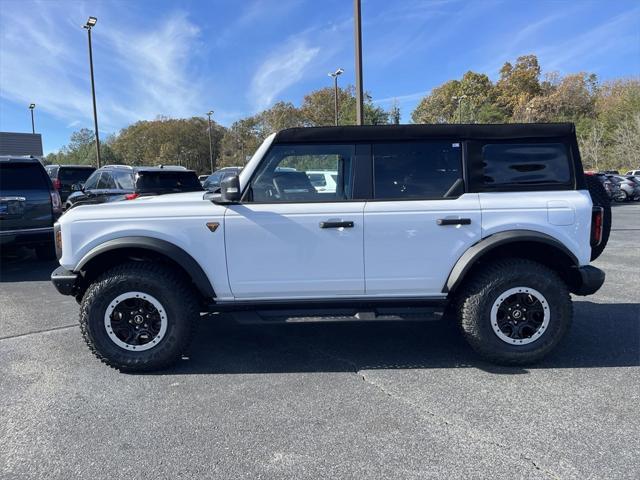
<point x="18" y="335"/>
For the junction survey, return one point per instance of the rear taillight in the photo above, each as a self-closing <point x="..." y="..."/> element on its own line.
<point x="597" y="217"/>
<point x="56" y="203"/>
<point x="56" y="183"/>
<point x="131" y="196"/>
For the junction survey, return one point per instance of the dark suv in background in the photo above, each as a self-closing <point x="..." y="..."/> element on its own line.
<point x="64" y="177"/>
<point x="113" y="183"/>
<point x="29" y="206"/>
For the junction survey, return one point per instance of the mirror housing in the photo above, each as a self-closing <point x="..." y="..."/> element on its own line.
<point x="230" y="190"/>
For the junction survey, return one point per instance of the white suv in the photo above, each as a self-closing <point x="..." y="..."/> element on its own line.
<point x="492" y="224"/>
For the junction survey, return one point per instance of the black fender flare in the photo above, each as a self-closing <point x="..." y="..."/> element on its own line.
<point x="481" y="248"/>
<point x="168" y="249"/>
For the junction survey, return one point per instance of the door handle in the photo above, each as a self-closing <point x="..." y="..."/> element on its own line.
<point x="453" y="221"/>
<point x="332" y="224"/>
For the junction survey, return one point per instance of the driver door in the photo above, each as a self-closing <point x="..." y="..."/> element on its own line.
<point x="288" y="240"/>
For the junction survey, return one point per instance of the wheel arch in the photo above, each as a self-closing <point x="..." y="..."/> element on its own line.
<point x="529" y="244"/>
<point x="122" y="249"/>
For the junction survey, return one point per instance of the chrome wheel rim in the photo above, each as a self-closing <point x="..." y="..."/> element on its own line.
<point x="135" y="321"/>
<point x="520" y="316"/>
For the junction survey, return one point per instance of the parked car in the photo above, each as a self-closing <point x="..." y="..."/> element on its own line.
<point x="498" y="236"/>
<point x="606" y="183"/>
<point x="64" y="177"/>
<point x="122" y="182"/>
<point x="213" y="182"/>
<point x="611" y="172"/>
<point x="626" y="189"/>
<point x="29" y="206"/>
<point x="323" y="180"/>
<point x="636" y="182"/>
<point x="634" y="173"/>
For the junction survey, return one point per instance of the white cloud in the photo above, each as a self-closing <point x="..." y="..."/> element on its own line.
<point x="141" y="70"/>
<point x="283" y="68"/>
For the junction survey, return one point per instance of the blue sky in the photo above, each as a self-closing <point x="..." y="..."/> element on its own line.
<point x="237" y="57"/>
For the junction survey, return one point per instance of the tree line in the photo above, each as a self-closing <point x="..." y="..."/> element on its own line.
<point x="607" y="118"/>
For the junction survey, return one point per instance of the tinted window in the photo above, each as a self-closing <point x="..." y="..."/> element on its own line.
<point x="416" y="169"/>
<point x="282" y="177"/>
<point x="52" y="171"/>
<point x="124" y="180"/>
<point x="22" y="176"/>
<point x="167" y="182"/>
<point x="92" y="181"/>
<point x="106" y="182"/>
<point x="525" y="164"/>
<point x="73" y="175"/>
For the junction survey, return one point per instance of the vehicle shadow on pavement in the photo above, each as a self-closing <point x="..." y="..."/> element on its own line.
<point x="602" y="335"/>
<point x="22" y="266"/>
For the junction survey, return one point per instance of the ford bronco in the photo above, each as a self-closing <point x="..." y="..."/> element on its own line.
<point x="491" y="226"/>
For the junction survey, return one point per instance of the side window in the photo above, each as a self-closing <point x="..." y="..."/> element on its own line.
<point x="92" y="181"/>
<point x="106" y="182"/>
<point x="123" y="180"/>
<point x="416" y="169"/>
<point x="284" y="174"/>
<point x="510" y="164"/>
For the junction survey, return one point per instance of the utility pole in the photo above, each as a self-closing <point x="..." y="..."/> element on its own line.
<point x="335" y="76"/>
<point x="209" y="113"/>
<point x="357" y="23"/>
<point x="33" y="125"/>
<point x="88" y="26"/>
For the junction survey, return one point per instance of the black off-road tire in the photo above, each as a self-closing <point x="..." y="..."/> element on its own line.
<point x="600" y="198"/>
<point x="46" y="252"/>
<point x="487" y="283"/>
<point x="162" y="282"/>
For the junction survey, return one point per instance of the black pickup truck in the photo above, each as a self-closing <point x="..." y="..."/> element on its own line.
<point x="29" y="206"/>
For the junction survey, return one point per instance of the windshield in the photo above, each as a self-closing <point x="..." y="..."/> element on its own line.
<point x="167" y="182"/>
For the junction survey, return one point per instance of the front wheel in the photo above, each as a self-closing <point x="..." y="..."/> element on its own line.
<point x="138" y="316"/>
<point x="514" y="311"/>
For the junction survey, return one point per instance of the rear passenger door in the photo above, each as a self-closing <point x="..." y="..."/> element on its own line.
<point x="420" y="219"/>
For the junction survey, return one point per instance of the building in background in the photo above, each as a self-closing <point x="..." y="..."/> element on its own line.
<point x="12" y="143"/>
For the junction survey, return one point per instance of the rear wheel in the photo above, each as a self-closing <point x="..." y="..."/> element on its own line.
<point x="599" y="198"/>
<point x="138" y="316"/>
<point x="514" y="311"/>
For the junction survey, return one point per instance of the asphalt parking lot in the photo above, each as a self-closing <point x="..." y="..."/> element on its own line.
<point x="385" y="400"/>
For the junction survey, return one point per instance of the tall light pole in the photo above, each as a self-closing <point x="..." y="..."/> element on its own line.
<point x="459" y="98"/>
<point x="209" y="113"/>
<point x="91" y="22"/>
<point x="335" y="76"/>
<point x="357" y="30"/>
<point x="33" y="125"/>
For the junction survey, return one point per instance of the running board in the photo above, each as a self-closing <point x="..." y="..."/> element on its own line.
<point x="336" y="315"/>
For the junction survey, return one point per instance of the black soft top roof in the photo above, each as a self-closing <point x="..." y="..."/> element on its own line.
<point x="368" y="133"/>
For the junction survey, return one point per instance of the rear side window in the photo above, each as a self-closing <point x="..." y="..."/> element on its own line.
<point x="74" y="175"/>
<point x="106" y="182"/>
<point x="418" y="170"/>
<point x="514" y="164"/>
<point x="124" y="180"/>
<point x="22" y="176"/>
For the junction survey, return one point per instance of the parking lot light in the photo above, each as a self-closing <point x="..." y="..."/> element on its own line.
<point x="209" y="113"/>
<point x="335" y="76"/>
<point x="33" y="125"/>
<point x="91" y="22"/>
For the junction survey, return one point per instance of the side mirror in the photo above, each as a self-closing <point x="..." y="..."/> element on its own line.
<point x="230" y="190"/>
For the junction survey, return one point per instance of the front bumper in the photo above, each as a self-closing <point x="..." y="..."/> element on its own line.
<point x="588" y="280"/>
<point x="66" y="282"/>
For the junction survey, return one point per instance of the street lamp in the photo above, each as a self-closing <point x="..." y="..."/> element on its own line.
<point x="335" y="76"/>
<point x="357" y="33"/>
<point x="209" y="113"/>
<point x="91" y="22"/>
<point x="459" y="98"/>
<point x="33" y="125"/>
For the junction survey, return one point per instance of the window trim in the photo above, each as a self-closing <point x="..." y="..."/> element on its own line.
<point x="463" y="166"/>
<point x="246" y="192"/>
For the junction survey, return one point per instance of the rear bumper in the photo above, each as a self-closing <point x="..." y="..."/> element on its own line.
<point x="589" y="279"/>
<point x="30" y="236"/>
<point x="66" y="282"/>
